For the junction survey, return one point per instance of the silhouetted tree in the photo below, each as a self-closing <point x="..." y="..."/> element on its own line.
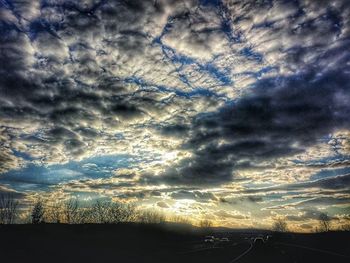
<point x="38" y="211"/>
<point x="205" y="223"/>
<point x="179" y="219"/>
<point x="345" y="227"/>
<point x="101" y="212"/>
<point x="8" y="209"/>
<point x="53" y="213"/>
<point x="71" y="211"/>
<point x="112" y="212"/>
<point x="324" y="222"/>
<point x="122" y="213"/>
<point x="151" y="217"/>
<point x="280" y="225"/>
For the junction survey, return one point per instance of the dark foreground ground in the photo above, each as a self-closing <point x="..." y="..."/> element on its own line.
<point x="164" y="243"/>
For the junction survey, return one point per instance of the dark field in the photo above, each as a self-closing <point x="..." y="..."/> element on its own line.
<point x="164" y="243"/>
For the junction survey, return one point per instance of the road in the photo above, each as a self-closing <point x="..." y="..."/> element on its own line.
<point x="246" y="252"/>
<point x="141" y="243"/>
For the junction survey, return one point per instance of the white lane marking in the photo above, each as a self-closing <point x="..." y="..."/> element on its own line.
<point x="243" y="254"/>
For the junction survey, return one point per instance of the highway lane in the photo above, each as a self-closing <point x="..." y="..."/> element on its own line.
<point x="270" y="252"/>
<point x="215" y="253"/>
<point x="322" y="251"/>
<point x="286" y="253"/>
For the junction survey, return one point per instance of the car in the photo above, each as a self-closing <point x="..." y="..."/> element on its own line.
<point x="224" y="239"/>
<point x="209" y="239"/>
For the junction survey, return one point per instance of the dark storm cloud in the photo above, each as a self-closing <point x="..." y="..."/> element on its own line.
<point x="175" y="130"/>
<point x="282" y="116"/>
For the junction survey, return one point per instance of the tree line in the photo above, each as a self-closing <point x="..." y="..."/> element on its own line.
<point x="72" y="212"/>
<point x="324" y="224"/>
<point x="109" y="212"/>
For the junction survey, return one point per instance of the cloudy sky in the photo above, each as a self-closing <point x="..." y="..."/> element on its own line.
<point x="233" y="111"/>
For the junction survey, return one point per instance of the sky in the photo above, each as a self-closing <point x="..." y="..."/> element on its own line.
<point x="232" y="111"/>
